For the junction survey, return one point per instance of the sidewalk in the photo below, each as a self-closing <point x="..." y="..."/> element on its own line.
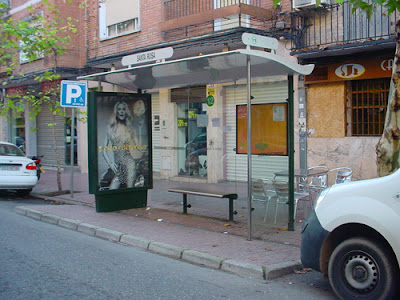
<point x="161" y="227"/>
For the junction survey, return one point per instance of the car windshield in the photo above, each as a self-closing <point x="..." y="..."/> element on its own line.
<point x="10" y="150"/>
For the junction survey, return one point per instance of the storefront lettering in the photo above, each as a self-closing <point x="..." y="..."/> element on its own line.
<point x="349" y="71"/>
<point x="50" y="86"/>
<point x="387" y="65"/>
<point x="16" y="91"/>
<point x="123" y="148"/>
<point x="182" y="123"/>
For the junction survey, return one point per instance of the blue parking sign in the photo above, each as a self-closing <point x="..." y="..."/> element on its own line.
<point x="73" y="93"/>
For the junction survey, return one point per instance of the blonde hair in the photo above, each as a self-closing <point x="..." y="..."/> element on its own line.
<point x="117" y="127"/>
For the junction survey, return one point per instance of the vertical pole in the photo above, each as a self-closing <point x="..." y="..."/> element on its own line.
<point x="249" y="171"/>
<point x="302" y="126"/>
<point x="291" y="152"/>
<point x="72" y="151"/>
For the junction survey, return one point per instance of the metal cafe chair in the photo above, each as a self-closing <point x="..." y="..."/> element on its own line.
<point x="319" y="181"/>
<point x="343" y="174"/>
<point x="259" y="193"/>
<point x="282" y="193"/>
<point x="316" y="183"/>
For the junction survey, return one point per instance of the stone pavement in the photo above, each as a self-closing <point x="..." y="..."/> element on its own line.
<point x="203" y="237"/>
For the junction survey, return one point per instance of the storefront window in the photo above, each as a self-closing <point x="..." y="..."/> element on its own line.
<point x="18" y="130"/>
<point x="68" y="139"/>
<point x="367" y="104"/>
<point x="192" y="121"/>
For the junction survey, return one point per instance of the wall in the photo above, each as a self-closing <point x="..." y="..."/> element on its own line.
<point x="149" y="34"/>
<point x="355" y="152"/>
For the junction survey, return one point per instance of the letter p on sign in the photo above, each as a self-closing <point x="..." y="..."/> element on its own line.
<point x="73" y="93"/>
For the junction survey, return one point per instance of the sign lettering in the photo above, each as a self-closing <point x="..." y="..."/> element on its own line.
<point x="350" y="71"/>
<point x="149" y="56"/>
<point x="387" y="65"/>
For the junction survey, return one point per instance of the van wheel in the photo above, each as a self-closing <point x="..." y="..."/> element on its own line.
<point x="362" y="269"/>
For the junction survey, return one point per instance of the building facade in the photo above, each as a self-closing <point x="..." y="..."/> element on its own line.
<point x="35" y="136"/>
<point x="191" y="139"/>
<point x="339" y="109"/>
<point x="346" y="95"/>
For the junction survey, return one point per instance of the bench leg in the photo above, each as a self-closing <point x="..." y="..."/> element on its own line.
<point x="230" y="209"/>
<point x="184" y="203"/>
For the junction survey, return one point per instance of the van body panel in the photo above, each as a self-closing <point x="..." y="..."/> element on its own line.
<point x="374" y="203"/>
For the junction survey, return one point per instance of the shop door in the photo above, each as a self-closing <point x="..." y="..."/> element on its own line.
<point x="68" y="142"/>
<point x="192" y="131"/>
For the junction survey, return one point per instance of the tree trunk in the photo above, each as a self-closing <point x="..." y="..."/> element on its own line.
<point x="388" y="149"/>
<point x="53" y="130"/>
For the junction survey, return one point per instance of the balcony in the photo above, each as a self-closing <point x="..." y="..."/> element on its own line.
<point x="189" y="18"/>
<point x="332" y="25"/>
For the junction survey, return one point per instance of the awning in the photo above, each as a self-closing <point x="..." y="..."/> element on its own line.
<point x="201" y="70"/>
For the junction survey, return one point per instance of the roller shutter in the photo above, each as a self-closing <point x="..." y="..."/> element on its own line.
<point x="45" y="138"/>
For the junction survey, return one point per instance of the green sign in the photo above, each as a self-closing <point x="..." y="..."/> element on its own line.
<point x="210" y="100"/>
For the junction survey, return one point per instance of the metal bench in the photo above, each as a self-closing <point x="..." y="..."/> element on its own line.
<point x="205" y="193"/>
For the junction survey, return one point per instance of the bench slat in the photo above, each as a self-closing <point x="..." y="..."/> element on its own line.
<point x="203" y="192"/>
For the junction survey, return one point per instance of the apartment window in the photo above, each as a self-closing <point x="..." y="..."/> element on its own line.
<point x="26" y="53"/>
<point x="123" y="27"/>
<point x="367" y="103"/>
<point x="119" y="17"/>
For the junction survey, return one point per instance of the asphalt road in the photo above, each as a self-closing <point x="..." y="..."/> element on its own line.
<point x="43" y="261"/>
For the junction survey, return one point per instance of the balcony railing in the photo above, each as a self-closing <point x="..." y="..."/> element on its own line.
<point x="338" y="24"/>
<point x="184" y="18"/>
<point x="174" y="9"/>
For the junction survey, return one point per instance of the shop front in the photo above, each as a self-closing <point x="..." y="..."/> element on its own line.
<point x="207" y="136"/>
<point x="35" y="136"/>
<point x="346" y="109"/>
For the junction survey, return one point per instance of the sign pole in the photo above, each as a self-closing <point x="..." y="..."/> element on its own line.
<point x="73" y="94"/>
<point x="249" y="166"/>
<point x="72" y="151"/>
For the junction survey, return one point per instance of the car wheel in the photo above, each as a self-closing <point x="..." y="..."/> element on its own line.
<point x="362" y="269"/>
<point x="24" y="192"/>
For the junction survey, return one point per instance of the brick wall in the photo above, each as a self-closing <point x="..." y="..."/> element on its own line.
<point x="152" y="13"/>
<point x="150" y="17"/>
<point x="74" y="56"/>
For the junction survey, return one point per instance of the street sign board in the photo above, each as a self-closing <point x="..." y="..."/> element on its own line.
<point x="148" y="56"/>
<point x="73" y="93"/>
<point x="256" y="40"/>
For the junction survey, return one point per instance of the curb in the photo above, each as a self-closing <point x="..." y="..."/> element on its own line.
<point x="63" y="200"/>
<point x="199" y="258"/>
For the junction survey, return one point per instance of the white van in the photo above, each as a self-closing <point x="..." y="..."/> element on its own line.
<point x="353" y="237"/>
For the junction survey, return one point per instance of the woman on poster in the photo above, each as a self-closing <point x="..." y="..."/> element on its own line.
<point x="121" y="141"/>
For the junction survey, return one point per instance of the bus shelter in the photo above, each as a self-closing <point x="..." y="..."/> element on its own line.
<point x="251" y="68"/>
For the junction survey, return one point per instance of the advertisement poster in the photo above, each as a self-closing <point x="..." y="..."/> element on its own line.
<point x="268" y="129"/>
<point x="123" y="141"/>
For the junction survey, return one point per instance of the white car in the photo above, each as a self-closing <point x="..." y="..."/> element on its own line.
<point x="17" y="172"/>
<point x="352" y="236"/>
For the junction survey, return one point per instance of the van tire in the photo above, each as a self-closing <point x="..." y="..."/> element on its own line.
<point x="360" y="268"/>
